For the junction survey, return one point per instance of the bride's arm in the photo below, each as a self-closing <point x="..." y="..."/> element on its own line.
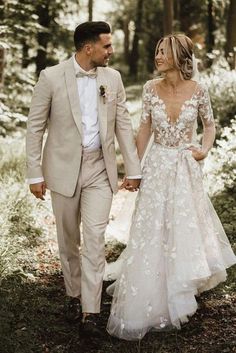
<point x="143" y="137"/>
<point x="145" y="128"/>
<point x="208" y="137"/>
<point x="206" y="115"/>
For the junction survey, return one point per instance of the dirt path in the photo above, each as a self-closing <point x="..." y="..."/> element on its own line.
<point x="32" y="320"/>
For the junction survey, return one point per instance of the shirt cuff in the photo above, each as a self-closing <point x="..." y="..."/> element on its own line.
<point x="134" y="177"/>
<point x="35" y="180"/>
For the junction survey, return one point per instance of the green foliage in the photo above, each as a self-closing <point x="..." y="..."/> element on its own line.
<point x="18" y="31"/>
<point x="24" y="21"/>
<point x="222" y="87"/>
<point x="12" y="160"/>
<point x="192" y="16"/>
<point x="19" y="233"/>
<point x="225" y="205"/>
<point x="10" y="121"/>
<point x="152" y="32"/>
<point x="113" y="250"/>
<point x="221" y="177"/>
<point x="29" y="30"/>
<point x="221" y="164"/>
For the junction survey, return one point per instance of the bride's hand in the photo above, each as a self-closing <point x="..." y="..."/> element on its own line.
<point x="197" y="153"/>
<point x="130" y="184"/>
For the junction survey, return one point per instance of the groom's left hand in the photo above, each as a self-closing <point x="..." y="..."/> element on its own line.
<point x="130" y="184"/>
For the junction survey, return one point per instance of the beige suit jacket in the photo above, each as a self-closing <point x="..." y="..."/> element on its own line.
<point x="55" y="107"/>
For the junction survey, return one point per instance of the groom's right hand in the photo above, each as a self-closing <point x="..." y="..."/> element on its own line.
<point x="38" y="190"/>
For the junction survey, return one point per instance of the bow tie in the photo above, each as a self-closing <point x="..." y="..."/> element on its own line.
<point x="91" y="73"/>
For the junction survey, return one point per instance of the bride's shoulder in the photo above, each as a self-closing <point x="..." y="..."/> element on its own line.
<point x="151" y="84"/>
<point x="202" y="89"/>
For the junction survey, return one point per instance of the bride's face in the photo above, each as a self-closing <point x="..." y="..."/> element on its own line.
<point x="164" y="59"/>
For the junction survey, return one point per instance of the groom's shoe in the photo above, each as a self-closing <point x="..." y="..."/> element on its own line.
<point x="89" y="325"/>
<point x="72" y="309"/>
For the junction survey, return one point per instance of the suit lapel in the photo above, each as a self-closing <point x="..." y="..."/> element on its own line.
<point x="102" y="104"/>
<point x="73" y="94"/>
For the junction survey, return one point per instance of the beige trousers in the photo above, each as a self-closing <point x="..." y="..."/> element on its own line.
<point x="91" y="203"/>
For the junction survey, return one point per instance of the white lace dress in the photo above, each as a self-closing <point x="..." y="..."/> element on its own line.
<point x="177" y="246"/>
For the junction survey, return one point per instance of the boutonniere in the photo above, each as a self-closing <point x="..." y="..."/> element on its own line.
<point x="103" y="93"/>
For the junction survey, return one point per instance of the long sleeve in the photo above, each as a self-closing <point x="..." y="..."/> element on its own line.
<point x="206" y="115"/>
<point x="145" y="128"/>
<point x="124" y="134"/>
<point x="37" y="122"/>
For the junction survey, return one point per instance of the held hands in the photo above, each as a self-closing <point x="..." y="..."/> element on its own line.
<point x="38" y="190"/>
<point x="130" y="184"/>
<point x="197" y="153"/>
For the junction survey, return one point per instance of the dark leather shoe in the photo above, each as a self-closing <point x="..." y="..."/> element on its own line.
<point x="89" y="325"/>
<point x="72" y="309"/>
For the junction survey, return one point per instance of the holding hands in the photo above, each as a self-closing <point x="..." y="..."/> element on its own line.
<point x="130" y="184"/>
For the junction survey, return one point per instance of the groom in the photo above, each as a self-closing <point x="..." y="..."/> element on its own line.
<point x="81" y="103"/>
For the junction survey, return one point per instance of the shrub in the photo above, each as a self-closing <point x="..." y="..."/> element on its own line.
<point x="221" y="179"/>
<point x="10" y="121"/>
<point x="221" y="82"/>
<point x="221" y="163"/>
<point x="19" y="233"/>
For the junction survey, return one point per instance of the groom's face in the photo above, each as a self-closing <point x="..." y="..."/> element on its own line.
<point x="101" y="50"/>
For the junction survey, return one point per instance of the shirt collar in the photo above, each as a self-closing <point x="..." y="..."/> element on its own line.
<point x="78" y="68"/>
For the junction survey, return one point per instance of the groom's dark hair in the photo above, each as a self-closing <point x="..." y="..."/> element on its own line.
<point x="89" y="32"/>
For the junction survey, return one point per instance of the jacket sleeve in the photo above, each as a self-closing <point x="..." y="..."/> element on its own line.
<point x="124" y="133"/>
<point x="36" y="126"/>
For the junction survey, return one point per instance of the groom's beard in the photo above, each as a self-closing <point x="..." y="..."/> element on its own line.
<point x="102" y="63"/>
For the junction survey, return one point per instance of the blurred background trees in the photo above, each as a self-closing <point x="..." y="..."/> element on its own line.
<point x="35" y="35"/>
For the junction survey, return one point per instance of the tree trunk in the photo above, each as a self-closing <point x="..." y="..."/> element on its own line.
<point x="43" y="37"/>
<point x="176" y="14"/>
<point x="25" y="55"/>
<point x="2" y="49"/>
<point x="230" y="47"/>
<point x="126" y="39"/>
<point x="211" y="26"/>
<point x="2" y="62"/>
<point x="134" y="55"/>
<point x="90" y="10"/>
<point x="168" y="16"/>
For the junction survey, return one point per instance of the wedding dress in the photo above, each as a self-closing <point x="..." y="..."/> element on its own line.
<point x="177" y="246"/>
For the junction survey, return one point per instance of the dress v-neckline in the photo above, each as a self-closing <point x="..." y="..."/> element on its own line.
<point x="173" y="123"/>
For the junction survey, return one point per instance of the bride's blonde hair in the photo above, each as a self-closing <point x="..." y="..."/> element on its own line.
<point x="181" y="48"/>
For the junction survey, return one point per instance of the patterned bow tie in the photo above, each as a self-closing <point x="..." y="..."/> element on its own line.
<point x="91" y="73"/>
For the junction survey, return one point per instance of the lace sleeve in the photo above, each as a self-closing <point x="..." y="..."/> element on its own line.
<point x="145" y="126"/>
<point x="204" y="108"/>
<point x="146" y="104"/>
<point x="206" y="115"/>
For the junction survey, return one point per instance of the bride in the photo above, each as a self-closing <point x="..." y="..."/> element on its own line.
<point x="177" y="246"/>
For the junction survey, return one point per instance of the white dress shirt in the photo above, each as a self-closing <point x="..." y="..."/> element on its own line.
<point x="87" y="92"/>
<point x="87" y="98"/>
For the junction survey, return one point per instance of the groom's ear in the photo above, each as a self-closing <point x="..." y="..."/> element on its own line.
<point x="88" y="48"/>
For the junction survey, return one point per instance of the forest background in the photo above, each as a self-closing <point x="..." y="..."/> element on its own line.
<point x="37" y="34"/>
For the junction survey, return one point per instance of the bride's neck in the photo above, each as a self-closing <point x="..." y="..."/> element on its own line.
<point x="173" y="80"/>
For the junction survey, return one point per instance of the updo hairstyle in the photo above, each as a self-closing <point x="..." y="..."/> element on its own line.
<point x="181" y="48"/>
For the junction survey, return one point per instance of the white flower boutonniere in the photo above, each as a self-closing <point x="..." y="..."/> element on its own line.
<point x="103" y="93"/>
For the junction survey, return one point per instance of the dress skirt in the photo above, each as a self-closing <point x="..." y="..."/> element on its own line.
<point x="177" y="247"/>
